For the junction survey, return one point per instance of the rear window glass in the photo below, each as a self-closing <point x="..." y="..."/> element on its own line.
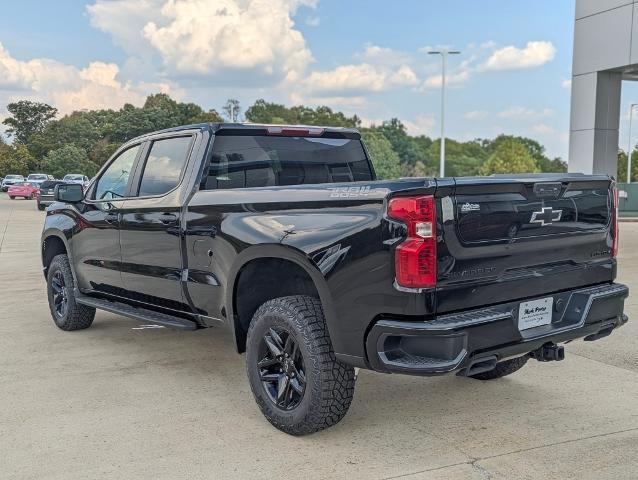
<point x="263" y="161"/>
<point x="164" y="165"/>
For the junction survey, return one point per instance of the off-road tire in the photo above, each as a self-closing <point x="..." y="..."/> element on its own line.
<point x="503" y="369"/>
<point x="329" y="386"/>
<point x="76" y="316"/>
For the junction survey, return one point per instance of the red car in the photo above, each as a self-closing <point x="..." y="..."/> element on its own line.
<point x="23" y="189"/>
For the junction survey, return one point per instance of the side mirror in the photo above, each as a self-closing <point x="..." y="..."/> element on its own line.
<point x="71" y="193"/>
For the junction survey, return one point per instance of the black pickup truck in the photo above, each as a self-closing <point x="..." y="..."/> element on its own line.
<point x="283" y="235"/>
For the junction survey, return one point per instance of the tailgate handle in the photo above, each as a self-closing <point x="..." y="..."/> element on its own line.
<point x="548" y="190"/>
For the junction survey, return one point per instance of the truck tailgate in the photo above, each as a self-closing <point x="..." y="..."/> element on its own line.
<point x="513" y="237"/>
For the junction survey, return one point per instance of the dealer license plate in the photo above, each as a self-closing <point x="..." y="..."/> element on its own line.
<point x="535" y="313"/>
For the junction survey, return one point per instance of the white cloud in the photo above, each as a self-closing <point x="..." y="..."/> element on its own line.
<point x="199" y="37"/>
<point x="385" y="56"/>
<point x="522" y="113"/>
<point x="543" y="129"/>
<point x="566" y="83"/>
<point x="475" y="115"/>
<point x="363" y="77"/>
<point x="351" y="103"/>
<point x="124" y="21"/>
<point x="313" y="21"/>
<point x="421" y="125"/>
<point x="512" y="58"/>
<point x="67" y="87"/>
<point x="452" y="79"/>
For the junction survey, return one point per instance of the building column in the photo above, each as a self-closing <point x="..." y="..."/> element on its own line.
<point x="595" y="119"/>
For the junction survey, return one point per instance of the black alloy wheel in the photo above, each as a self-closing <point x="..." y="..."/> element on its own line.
<point x="281" y="368"/>
<point x="60" y="294"/>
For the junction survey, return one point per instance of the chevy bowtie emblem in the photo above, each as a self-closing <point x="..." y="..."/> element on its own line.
<point x="546" y="216"/>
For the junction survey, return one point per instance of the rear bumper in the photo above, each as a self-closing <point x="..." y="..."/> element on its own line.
<point x="454" y="342"/>
<point x="46" y="199"/>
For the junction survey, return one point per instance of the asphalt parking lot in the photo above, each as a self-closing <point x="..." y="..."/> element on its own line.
<point x="118" y="402"/>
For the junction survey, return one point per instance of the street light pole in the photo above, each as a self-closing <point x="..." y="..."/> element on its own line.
<point x="631" y="111"/>
<point x="444" y="54"/>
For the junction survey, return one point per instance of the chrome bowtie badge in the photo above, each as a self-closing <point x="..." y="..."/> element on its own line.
<point x="546" y="216"/>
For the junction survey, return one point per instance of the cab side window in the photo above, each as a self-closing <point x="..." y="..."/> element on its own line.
<point x="112" y="184"/>
<point x="164" y="165"/>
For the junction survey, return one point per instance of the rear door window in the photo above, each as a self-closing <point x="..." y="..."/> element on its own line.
<point x="241" y="161"/>
<point x="163" y="167"/>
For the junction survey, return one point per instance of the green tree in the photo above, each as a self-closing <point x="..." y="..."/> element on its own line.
<point x="12" y="162"/>
<point x="102" y="151"/>
<point x="511" y="156"/>
<point x="265" y="112"/>
<point x="536" y="150"/>
<point x="23" y="157"/>
<point x="402" y="143"/>
<point x="27" y="118"/>
<point x="69" y="159"/>
<point x="210" y="116"/>
<point x="232" y="109"/>
<point x="385" y="160"/>
<point x="622" y="166"/>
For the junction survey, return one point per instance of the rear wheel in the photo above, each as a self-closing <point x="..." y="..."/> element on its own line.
<point x="294" y="375"/>
<point x="67" y="314"/>
<point x="503" y="369"/>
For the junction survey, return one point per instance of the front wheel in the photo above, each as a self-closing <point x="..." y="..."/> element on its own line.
<point x="12" y="197"/>
<point x="67" y="314"/>
<point x="40" y="206"/>
<point x="294" y="375"/>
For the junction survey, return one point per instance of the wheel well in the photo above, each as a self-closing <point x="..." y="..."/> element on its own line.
<point x="51" y="247"/>
<point x="261" y="280"/>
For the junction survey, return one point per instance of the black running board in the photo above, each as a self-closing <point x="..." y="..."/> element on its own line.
<point x="142" y="314"/>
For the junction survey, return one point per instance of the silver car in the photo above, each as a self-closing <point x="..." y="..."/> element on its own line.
<point x="76" y="178"/>
<point x="11" y="180"/>
<point x="37" y="178"/>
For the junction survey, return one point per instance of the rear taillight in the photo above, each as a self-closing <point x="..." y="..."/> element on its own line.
<point x="415" y="257"/>
<point x="614" y="248"/>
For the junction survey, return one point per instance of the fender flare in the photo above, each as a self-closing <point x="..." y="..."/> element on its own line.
<point x="54" y="232"/>
<point x="280" y="252"/>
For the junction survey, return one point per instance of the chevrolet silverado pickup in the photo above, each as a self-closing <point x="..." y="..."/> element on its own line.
<point x="283" y="235"/>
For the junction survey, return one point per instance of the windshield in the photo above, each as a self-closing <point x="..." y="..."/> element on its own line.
<point x="73" y="177"/>
<point x="14" y="177"/>
<point x="37" y="177"/>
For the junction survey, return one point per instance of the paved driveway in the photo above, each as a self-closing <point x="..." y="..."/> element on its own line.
<point x="116" y="402"/>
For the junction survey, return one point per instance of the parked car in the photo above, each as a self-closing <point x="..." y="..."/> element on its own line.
<point x="23" y="189"/>
<point x="37" y="178"/>
<point x="76" y="178"/>
<point x="45" y="193"/>
<point x="10" y="180"/>
<point x="283" y="235"/>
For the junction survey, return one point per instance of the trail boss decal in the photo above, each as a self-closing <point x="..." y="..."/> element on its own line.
<point x="349" y="192"/>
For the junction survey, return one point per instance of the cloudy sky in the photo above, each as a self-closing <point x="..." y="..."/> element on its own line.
<point x="361" y="56"/>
